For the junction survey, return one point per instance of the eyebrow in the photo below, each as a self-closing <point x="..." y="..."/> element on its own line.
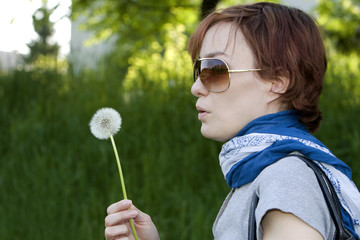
<point x="214" y="54"/>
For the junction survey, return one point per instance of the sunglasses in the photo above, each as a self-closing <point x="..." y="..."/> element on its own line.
<point x="214" y="73"/>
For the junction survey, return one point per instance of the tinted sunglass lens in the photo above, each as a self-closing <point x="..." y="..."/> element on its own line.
<point x="213" y="74"/>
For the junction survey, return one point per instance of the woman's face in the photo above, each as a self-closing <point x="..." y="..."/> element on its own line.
<point x="224" y="114"/>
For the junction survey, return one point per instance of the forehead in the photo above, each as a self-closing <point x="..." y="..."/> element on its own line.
<point x="225" y="40"/>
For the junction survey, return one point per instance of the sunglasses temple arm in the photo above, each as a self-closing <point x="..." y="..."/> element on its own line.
<point x="245" y="70"/>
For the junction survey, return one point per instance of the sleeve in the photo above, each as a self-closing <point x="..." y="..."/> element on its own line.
<point x="290" y="186"/>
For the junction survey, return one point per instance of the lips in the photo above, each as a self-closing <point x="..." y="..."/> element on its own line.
<point x="202" y="112"/>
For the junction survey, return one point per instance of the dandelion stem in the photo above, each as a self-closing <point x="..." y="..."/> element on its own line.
<point x="119" y="167"/>
<point x="123" y="184"/>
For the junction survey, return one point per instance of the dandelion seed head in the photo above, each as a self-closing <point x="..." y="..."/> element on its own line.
<point x="105" y="122"/>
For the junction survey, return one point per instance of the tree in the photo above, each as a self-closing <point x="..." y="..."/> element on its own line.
<point x="340" y="20"/>
<point x="135" y="23"/>
<point x="45" y="29"/>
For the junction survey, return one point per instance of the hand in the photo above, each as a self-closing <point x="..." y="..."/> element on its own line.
<point x="118" y="227"/>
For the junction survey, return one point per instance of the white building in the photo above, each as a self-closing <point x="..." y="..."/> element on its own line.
<point x="83" y="55"/>
<point x="10" y="60"/>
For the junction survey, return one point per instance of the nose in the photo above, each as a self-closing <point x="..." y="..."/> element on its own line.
<point x="198" y="89"/>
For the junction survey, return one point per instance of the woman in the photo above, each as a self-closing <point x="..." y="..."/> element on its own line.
<point x="258" y="72"/>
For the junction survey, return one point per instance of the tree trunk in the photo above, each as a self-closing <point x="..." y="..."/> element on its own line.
<point x="207" y="7"/>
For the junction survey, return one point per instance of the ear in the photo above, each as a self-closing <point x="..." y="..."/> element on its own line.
<point x="279" y="85"/>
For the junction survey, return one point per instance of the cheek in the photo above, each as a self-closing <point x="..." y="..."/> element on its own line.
<point x="238" y="112"/>
<point x="234" y="119"/>
<point x="224" y="123"/>
<point x="232" y="111"/>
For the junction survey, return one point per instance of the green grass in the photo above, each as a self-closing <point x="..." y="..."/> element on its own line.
<point x="56" y="179"/>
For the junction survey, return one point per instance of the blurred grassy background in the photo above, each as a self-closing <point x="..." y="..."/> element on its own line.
<point x="56" y="179"/>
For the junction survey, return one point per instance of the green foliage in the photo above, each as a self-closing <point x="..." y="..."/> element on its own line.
<point x="135" y="23"/>
<point x="340" y="104"/>
<point x="340" y="19"/>
<point x="161" y="64"/>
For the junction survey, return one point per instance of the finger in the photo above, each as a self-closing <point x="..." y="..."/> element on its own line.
<point x="119" y="206"/>
<point x="116" y="231"/>
<point x="120" y="217"/>
<point x="141" y="217"/>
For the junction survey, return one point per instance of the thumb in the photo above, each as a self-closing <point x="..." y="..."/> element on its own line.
<point x="141" y="218"/>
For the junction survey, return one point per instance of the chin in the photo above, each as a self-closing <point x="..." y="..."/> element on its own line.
<point x="213" y="136"/>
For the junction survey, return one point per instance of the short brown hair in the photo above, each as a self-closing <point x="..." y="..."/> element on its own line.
<point x="285" y="42"/>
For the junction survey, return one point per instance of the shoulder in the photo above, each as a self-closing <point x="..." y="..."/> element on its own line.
<point x="290" y="186"/>
<point x="289" y="177"/>
<point x="288" y="167"/>
<point x="290" y="183"/>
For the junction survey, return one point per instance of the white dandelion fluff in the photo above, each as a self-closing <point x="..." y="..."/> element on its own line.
<point x="106" y="122"/>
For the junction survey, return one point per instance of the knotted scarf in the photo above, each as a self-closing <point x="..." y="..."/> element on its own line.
<point x="271" y="137"/>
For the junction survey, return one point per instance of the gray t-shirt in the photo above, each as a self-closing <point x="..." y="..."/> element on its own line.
<point x="288" y="185"/>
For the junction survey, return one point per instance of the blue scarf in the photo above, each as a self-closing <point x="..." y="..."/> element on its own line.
<point x="281" y="133"/>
